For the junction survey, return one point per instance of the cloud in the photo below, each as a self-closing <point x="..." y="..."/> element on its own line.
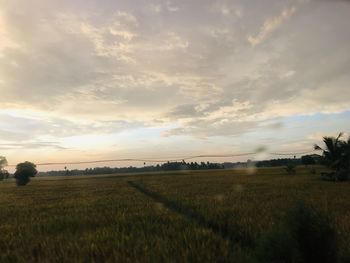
<point x="19" y="146"/>
<point x="184" y="111"/>
<point x="185" y="68"/>
<point x="112" y="39"/>
<point x="171" y="7"/>
<point x="219" y="127"/>
<point x="270" y="25"/>
<point x="165" y="5"/>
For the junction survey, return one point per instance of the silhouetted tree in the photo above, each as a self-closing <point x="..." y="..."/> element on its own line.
<point x="3" y="173"/>
<point x="278" y="162"/>
<point x="3" y="162"/>
<point x="307" y="160"/>
<point x="168" y="166"/>
<point x="24" y="171"/>
<point x="337" y="156"/>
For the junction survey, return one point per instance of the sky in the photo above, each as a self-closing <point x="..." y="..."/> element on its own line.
<point x="87" y="80"/>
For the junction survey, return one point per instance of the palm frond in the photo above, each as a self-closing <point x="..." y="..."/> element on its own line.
<point x="316" y="147"/>
<point x="339" y="136"/>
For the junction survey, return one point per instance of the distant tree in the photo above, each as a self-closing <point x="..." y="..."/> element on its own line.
<point x="3" y="173"/>
<point x="336" y="156"/>
<point x="24" y="171"/>
<point x="278" y="162"/>
<point x="3" y="162"/>
<point x="307" y="160"/>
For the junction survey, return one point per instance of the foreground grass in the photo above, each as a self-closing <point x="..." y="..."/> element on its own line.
<point x="96" y="220"/>
<point x="208" y="216"/>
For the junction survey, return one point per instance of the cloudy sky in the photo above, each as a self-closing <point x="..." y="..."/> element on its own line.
<point x="98" y="79"/>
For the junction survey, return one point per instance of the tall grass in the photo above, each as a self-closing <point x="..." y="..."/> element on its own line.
<point x="207" y="216"/>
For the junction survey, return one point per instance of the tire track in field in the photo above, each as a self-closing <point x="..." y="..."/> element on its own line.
<point x="221" y="230"/>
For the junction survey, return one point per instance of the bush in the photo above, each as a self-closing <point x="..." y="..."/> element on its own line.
<point x="23" y="173"/>
<point x="304" y="235"/>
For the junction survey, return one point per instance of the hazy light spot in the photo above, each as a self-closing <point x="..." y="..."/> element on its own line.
<point x="251" y="168"/>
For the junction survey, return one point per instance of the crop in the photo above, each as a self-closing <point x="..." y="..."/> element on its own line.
<point x="203" y="216"/>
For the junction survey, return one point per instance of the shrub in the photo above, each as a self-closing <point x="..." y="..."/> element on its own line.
<point x="24" y="171"/>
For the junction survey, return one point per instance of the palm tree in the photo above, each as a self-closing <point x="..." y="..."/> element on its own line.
<point x="336" y="155"/>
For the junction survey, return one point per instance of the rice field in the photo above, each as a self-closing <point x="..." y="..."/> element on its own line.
<point x="202" y="216"/>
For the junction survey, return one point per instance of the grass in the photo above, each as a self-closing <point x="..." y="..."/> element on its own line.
<point x="202" y="216"/>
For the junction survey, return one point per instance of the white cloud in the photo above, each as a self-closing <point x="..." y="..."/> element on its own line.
<point x="270" y="25"/>
<point x="171" y="7"/>
<point x="288" y="74"/>
<point x="186" y="68"/>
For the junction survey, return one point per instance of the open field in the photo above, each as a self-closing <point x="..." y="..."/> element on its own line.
<point x="203" y="216"/>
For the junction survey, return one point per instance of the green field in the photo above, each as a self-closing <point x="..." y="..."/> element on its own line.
<point x="204" y="216"/>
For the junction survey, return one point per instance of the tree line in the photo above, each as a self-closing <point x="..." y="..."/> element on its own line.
<point x="24" y="171"/>
<point x="168" y="166"/>
<point x="336" y="155"/>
